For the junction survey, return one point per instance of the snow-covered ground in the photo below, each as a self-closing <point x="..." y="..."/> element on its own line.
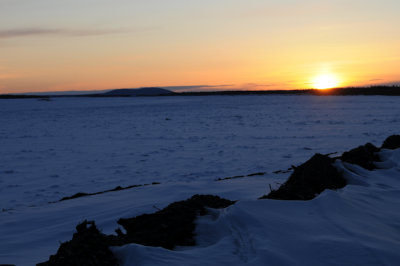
<point x="357" y="225"/>
<point x="53" y="149"/>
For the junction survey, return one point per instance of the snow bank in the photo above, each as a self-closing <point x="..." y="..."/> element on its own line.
<point x="357" y="225"/>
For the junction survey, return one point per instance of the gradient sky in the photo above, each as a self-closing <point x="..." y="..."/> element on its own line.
<point x="51" y="45"/>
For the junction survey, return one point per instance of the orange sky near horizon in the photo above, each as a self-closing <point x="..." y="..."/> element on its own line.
<point x="237" y="44"/>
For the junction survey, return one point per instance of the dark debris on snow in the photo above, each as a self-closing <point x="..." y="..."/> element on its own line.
<point x="174" y="225"/>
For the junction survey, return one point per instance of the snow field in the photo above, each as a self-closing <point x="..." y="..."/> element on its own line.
<point x="54" y="149"/>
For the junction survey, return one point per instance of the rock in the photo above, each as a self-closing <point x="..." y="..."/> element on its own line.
<point x="392" y="142"/>
<point x="309" y="180"/>
<point x="363" y="156"/>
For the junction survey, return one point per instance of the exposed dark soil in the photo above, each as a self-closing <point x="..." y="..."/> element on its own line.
<point x="364" y="156"/>
<point x="118" y="188"/>
<point x="392" y="142"/>
<point x="173" y="225"/>
<point x="87" y="247"/>
<point x="309" y="179"/>
<point x="169" y="227"/>
<point x="240" y="176"/>
<point x="318" y="173"/>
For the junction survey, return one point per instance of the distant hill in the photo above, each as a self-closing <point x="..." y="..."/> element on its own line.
<point x="154" y="91"/>
<point x="151" y="91"/>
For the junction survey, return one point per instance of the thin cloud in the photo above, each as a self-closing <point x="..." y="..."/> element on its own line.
<point x="260" y="85"/>
<point x="28" y="32"/>
<point x="389" y="83"/>
<point x="197" y="87"/>
<point x="246" y="86"/>
<point x="7" y="76"/>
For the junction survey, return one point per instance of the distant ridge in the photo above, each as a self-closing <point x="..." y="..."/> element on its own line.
<point x="385" y="90"/>
<point x="150" y="91"/>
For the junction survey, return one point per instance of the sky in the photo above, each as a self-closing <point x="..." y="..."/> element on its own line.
<point x="55" y="45"/>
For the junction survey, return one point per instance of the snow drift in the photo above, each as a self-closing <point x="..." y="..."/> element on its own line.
<point x="356" y="225"/>
<point x="337" y="228"/>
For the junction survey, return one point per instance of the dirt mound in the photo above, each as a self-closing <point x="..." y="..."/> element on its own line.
<point x="392" y="142"/>
<point x="318" y="174"/>
<point x="169" y="227"/>
<point x="173" y="225"/>
<point x="87" y="247"/>
<point x="309" y="179"/>
<point x="363" y="156"/>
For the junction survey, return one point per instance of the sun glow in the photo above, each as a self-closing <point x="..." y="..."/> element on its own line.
<point x="325" y="81"/>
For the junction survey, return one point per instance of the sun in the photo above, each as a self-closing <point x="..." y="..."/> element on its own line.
<point x="325" y="81"/>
